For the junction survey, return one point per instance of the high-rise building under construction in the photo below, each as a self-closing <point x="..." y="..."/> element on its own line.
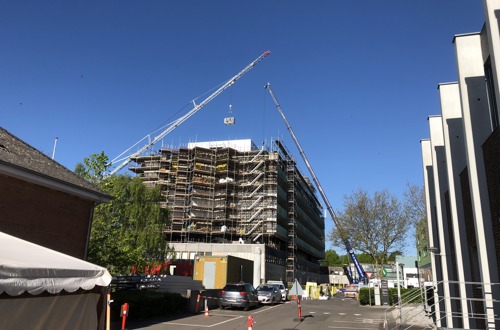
<point x="230" y="192"/>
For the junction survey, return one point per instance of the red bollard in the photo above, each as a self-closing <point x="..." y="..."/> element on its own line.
<point x="299" y="309"/>
<point x="124" y="314"/>
<point x="197" y="304"/>
<point x="250" y="322"/>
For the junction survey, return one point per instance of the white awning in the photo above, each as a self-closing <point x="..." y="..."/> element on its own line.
<point x="28" y="267"/>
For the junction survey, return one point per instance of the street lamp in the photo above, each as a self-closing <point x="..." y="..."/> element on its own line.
<point x="399" y="293"/>
<point x="434" y="250"/>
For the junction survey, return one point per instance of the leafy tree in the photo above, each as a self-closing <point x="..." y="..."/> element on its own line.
<point x="93" y="168"/>
<point x="376" y="225"/>
<point x="364" y="258"/>
<point x="331" y="259"/>
<point x="129" y="229"/>
<point x="415" y="208"/>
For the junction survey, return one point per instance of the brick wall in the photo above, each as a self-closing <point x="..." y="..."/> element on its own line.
<point x="44" y="216"/>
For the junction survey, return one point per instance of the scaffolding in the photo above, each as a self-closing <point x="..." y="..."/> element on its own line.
<point x="223" y="193"/>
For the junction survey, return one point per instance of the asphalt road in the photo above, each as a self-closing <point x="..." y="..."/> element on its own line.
<point x="336" y="313"/>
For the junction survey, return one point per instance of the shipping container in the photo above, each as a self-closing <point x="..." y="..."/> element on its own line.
<point x="216" y="271"/>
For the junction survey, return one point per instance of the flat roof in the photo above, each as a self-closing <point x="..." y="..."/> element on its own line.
<point x="240" y="145"/>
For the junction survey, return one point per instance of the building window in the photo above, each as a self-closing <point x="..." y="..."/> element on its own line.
<point x="490" y="88"/>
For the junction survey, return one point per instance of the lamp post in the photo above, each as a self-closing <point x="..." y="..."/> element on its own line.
<point x="399" y="293"/>
<point x="436" y="308"/>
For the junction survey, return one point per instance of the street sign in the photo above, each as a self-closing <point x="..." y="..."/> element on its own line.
<point x="385" y="292"/>
<point x="383" y="272"/>
<point x="296" y="289"/>
<point x="369" y="275"/>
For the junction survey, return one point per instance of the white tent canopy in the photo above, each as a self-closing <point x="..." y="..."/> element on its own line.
<point x="27" y="267"/>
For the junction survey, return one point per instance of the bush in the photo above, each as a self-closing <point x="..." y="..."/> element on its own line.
<point x="144" y="304"/>
<point x="410" y="296"/>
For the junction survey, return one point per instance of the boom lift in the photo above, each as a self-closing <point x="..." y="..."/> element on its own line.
<point x="359" y="268"/>
<point x="195" y="109"/>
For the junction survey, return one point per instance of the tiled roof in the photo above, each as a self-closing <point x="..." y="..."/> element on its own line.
<point x="16" y="153"/>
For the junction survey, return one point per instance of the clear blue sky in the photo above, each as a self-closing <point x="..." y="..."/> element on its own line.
<point x="356" y="79"/>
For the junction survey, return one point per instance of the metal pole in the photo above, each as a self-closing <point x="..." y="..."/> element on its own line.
<point x="54" y="149"/>
<point x="399" y="295"/>
<point x="369" y="293"/>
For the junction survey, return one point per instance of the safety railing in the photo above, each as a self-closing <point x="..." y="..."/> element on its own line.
<point x="447" y="305"/>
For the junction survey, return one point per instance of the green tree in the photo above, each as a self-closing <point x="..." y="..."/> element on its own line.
<point x="364" y="258"/>
<point x="93" y="168"/>
<point x="415" y="208"/>
<point x="376" y="225"/>
<point x="331" y="259"/>
<point x="129" y="229"/>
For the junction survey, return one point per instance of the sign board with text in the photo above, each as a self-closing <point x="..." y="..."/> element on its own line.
<point x="384" y="290"/>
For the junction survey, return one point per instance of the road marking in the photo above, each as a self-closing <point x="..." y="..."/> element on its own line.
<point x="357" y="327"/>
<point x="231" y="317"/>
<point x="266" y="309"/>
<point x="369" y="320"/>
<point x="203" y="325"/>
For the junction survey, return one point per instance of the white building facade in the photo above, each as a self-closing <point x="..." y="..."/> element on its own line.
<point x="461" y="165"/>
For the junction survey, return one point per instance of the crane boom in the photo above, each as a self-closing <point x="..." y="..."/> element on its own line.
<point x="195" y="109"/>
<point x="354" y="259"/>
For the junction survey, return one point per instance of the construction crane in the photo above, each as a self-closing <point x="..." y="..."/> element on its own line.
<point x="195" y="109"/>
<point x="359" y="268"/>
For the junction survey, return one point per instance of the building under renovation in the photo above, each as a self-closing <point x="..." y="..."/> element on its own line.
<point x="232" y="193"/>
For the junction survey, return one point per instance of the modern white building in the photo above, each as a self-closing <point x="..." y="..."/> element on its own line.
<point x="461" y="165"/>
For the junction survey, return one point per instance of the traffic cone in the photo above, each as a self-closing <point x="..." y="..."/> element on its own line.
<point x="206" y="310"/>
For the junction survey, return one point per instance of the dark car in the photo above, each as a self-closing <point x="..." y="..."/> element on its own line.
<point x="242" y="295"/>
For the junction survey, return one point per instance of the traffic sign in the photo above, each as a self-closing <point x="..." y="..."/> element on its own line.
<point x="383" y="272"/>
<point x="296" y="289"/>
<point x="369" y="275"/>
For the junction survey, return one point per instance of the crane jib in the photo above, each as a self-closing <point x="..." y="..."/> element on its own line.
<point x="358" y="266"/>
<point x="191" y="112"/>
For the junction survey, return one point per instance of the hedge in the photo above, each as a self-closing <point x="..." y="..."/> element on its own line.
<point x="364" y="299"/>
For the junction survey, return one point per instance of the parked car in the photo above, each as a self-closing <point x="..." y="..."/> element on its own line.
<point x="241" y="295"/>
<point x="268" y="294"/>
<point x="281" y="288"/>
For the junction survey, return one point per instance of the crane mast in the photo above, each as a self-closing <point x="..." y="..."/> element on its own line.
<point x="195" y="109"/>
<point x="354" y="259"/>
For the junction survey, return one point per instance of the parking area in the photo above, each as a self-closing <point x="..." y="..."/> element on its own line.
<point x="216" y="318"/>
<point x="336" y="313"/>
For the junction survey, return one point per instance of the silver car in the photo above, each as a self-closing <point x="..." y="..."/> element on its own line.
<point x="268" y="294"/>
<point x="282" y="289"/>
<point x="241" y="295"/>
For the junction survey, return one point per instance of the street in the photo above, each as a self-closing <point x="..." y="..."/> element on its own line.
<point x="336" y="313"/>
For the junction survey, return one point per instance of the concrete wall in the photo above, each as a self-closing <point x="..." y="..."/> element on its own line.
<point x="256" y="252"/>
<point x="252" y="252"/>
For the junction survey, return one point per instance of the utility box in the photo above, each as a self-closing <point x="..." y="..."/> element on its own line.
<point x="215" y="271"/>
<point x="376" y="290"/>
